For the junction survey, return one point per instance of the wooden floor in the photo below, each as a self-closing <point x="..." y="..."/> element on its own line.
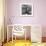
<point x="18" y="43"/>
<point x="23" y="43"/>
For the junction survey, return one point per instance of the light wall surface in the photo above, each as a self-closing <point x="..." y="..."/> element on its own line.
<point x="39" y="13"/>
<point x="1" y="20"/>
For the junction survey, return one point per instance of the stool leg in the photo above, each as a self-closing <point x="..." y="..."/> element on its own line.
<point x="12" y="36"/>
<point x="25" y="36"/>
<point x="15" y="38"/>
<point x="7" y="34"/>
<point x="2" y="44"/>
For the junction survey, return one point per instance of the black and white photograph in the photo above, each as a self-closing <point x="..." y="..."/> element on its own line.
<point x="26" y="9"/>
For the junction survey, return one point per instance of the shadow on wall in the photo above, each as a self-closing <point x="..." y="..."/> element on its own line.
<point x="44" y="34"/>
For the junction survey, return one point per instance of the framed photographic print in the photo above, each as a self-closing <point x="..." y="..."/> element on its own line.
<point x="26" y="9"/>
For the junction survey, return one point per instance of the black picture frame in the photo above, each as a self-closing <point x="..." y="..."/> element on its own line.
<point x="26" y="9"/>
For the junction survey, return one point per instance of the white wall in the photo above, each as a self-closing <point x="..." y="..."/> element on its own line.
<point x="1" y="20"/>
<point x="39" y="13"/>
